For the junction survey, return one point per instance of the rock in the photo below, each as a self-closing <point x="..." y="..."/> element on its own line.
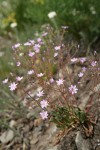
<point x="68" y="142"/>
<point x="26" y="129"/>
<point x="18" y="140"/>
<point x="53" y="148"/>
<point x="31" y="115"/>
<point x="31" y="125"/>
<point x="10" y="145"/>
<point x="41" y="128"/>
<point x="12" y="123"/>
<point x="84" y="100"/>
<point x="7" y="136"/>
<point x="34" y="141"/>
<point x="97" y="88"/>
<point x="38" y="122"/>
<point x="81" y="143"/>
<point x="26" y="145"/>
<point x="36" y="132"/>
<point x="52" y="129"/>
<point x="26" y="142"/>
<point x="85" y="97"/>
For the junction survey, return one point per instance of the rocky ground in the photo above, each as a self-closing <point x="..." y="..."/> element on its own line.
<point x="32" y="133"/>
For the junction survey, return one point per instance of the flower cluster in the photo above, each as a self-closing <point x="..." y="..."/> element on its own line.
<point x="44" y="65"/>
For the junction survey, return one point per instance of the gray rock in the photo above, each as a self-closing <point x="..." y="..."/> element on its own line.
<point x="34" y="141"/>
<point x="81" y="143"/>
<point x="52" y="129"/>
<point x="7" y="136"/>
<point x="12" y="123"/>
<point x="31" y="115"/>
<point x="26" y="129"/>
<point x="53" y="148"/>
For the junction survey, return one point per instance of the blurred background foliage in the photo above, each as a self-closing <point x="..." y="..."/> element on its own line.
<point x="82" y="17"/>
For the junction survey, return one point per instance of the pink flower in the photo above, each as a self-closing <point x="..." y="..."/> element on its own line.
<point x="30" y="72"/>
<point x="39" y="40"/>
<point x="44" y="103"/>
<point x="13" y="86"/>
<point x="44" y="114"/>
<point x="51" y="80"/>
<point x="73" y="89"/>
<point x="60" y="82"/>
<point x="74" y="59"/>
<point x="40" y="93"/>
<point x="80" y="74"/>
<point x="5" y="81"/>
<point x="93" y="63"/>
<point x="32" y="42"/>
<point x="31" y="54"/>
<point x="84" y="69"/>
<point x="16" y="46"/>
<point x="37" y="48"/>
<point x="82" y="60"/>
<point x="40" y="75"/>
<point x="19" y="78"/>
<point x="18" y="64"/>
<point x="57" y="48"/>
